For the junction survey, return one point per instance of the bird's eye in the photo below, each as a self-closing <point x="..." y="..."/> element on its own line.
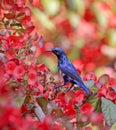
<point x="55" y="51"/>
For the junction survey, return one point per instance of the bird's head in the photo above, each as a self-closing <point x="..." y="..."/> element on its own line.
<point x="57" y="51"/>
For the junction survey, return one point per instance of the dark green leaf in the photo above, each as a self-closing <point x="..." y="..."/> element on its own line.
<point x="109" y="111"/>
<point x="94" y="100"/>
<point x="43" y="102"/>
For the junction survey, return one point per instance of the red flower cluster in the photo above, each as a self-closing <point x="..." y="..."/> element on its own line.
<point x="106" y="88"/>
<point x="68" y="100"/>
<point x="105" y="83"/>
<point x="18" y="75"/>
<point x="12" y="119"/>
<point x="86" y="109"/>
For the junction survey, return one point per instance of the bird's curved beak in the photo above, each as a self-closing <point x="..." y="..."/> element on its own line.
<point x="48" y="51"/>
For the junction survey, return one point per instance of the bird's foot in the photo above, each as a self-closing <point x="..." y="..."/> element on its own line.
<point x="57" y="88"/>
<point x="69" y="88"/>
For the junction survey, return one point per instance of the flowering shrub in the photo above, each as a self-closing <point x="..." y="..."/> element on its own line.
<point x="28" y="98"/>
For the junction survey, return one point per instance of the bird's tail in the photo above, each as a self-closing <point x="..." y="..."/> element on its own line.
<point x="83" y="87"/>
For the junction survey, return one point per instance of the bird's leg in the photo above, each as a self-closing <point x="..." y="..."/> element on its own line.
<point x="70" y="87"/>
<point x="56" y="87"/>
<point x="65" y="80"/>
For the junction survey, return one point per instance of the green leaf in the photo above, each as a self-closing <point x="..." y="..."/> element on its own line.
<point x="19" y="101"/>
<point x="43" y="102"/>
<point x="94" y="89"/>
<point x="91" y="86"/>
<point x="72" y="4"/>
<point x="94" y="100"/>
<point x="101" y="17"/>
<point x="112" y="37"/>
<point x="89" y="83"/>
<point x="51" y="6"/>
<point x="113" y="127"/>
<point x="109" y="111"/>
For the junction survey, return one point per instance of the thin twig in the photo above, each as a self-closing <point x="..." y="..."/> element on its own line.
<point x="38" y="111"/>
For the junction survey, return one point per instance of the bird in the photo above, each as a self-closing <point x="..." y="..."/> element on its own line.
<point x="69" y="72"/>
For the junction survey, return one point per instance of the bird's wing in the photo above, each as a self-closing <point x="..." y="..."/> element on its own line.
<point x="70" y="71"/>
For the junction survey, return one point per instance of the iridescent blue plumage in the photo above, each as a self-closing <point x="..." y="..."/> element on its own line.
<point x="68" y="70"/>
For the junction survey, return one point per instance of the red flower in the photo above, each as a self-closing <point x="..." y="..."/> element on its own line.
<point x="46" y="95"/>
<point x="10" y="54"/>
<point x="90" y="76"/>
<point x="2" y="71"/>
<point x="15" y="42"/>
<point x="48" y="124"/>
<point x="24" y="108"/>
<point x="69" y="96"/>
<point x="40" y="87"/>
<point x="90" y="66"/>
<point x="79" y="96"/>
<point x="102" y="92"/>
<point x="32" y="77"/>
<point x="19" y="72"/>
<point x="29" y="29"/>
<point x="65" y="26"/>
<point x="73" y="98"/>
<point x="112" y="21"/>
<point x="103" y="80"/>
<point x="97" y="118"/>
<point x="11" y="117"/>
<point x="78" y="65"/>
<point x="92" y="54"/>
<point x="7" y="4"/>
<point x="88" y="128"/>
<point x="111" y="95"/>
<point x="86" y="29"/>
<point x="42" y="67"/>
<point x="60" y="99"/>
<point x="10" y="67"/>
<point x="112" y="82"/>
<point x="20" y="2"/>
<point x="38" y="4"/>
<point x="89" y="15"/>
<point x="26" y="20"/>
<point x="86" y="108"/>
<point x="69" y="110"/>
<point x="4" y="89"/>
